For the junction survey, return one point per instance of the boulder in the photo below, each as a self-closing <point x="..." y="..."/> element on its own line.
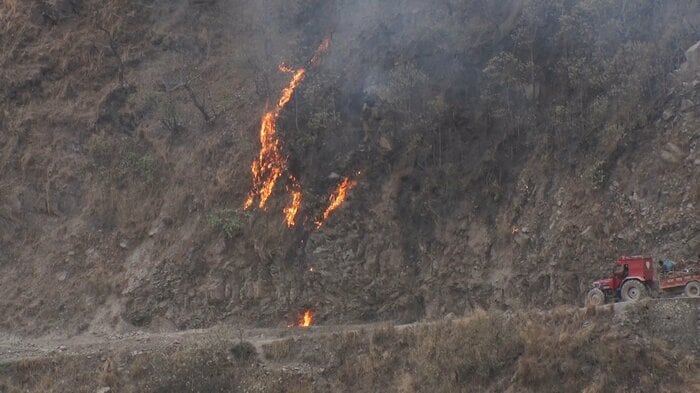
<point x="521" y="238"/>
<point x="690" y="69"/>
<point x="385" y="144"/>
<point x="693" y="245"/>
<point x="686" y="104"/>
<point x="692" y="56"/>
<point x="672" y="154"/>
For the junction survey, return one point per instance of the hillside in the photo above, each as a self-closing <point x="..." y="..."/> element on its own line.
<point x="503" y="156"/>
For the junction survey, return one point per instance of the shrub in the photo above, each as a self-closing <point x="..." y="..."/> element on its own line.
<point x="141" y="165"/>
<point x="598" y="174"/>
<point x="121" y="160"/>
<point x="244" y="352"/>
<point x="170" y="117"/>
<point x="476" y="349"/>
<point x="404" y="93"/>
<point x="230" y="221"/>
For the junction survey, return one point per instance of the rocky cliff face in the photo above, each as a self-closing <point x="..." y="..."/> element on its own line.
<point x="504" y="156"/>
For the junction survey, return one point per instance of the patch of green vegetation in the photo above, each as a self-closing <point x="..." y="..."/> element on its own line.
<point x="169" y="115"/>
<point x="406" y="92"/>
<point x="598" y="174"/>
<point x="162" y="106"/>
<point x="244" y="352"/>
<point x="141" y="165"/>
<point x="230" y="221"/>
<point x="120" y="160"/>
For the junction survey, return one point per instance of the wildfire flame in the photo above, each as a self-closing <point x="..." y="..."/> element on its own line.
<point x="271" y="164"/>
<point x="305" y="320"/>
<point x="336" y="199"/>
<point x="291" y="211"/>
<point x="320" y="51"/>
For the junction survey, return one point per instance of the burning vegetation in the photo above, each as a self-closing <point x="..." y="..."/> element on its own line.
<point x="291" y="210"/>
<point x="336" y="199"/>
<point x="304" y="320"/>
<point x="271" y="164"/>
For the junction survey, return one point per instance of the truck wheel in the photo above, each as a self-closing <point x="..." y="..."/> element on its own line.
<point x="595" y="297"/>
<point x="692" y="289"/>
<point x="633" y="290"/>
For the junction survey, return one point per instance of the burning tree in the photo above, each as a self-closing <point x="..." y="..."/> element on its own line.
<point x="271" y="164"/>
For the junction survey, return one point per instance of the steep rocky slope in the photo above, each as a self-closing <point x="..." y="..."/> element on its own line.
<point x="504" y="155"/>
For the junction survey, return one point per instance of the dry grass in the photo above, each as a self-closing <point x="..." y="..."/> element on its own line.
<point x="582" y="350"/>
<point x="10" y="11"/>
<point x="494" y="351"/>
<point x="210" y="366"/>
<point x="16" y="27"/>
<point x="475" y="350"/>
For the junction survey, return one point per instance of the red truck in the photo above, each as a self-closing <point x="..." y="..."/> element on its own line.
<point x="636" y="277"/>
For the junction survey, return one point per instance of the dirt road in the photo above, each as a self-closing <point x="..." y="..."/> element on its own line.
<point x="14" y="348"/>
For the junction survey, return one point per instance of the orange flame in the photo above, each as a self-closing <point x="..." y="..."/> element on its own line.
<point x="289" y="90"/>
<point x="291" y="211"/>
<point x="307" y="319"/>
<point x="336" y="199"/>
<point x="320" y="51"/>
<point x="271" y="164"/>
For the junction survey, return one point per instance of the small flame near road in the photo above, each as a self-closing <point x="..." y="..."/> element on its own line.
<point x="308" y="319"/>
<point x="305" y="320"/>
<point x="336" y="199"/>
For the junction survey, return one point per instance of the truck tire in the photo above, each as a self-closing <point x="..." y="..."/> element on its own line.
<point x="595" y="297"/>
<point x="632" y="291"/>
<point x="692" y="289"/>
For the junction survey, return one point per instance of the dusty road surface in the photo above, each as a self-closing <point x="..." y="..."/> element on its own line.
<point x="14" y="348"/>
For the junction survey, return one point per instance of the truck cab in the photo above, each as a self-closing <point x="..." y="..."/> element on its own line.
<point x="634" y="270"/>
<point x="634" y="277"/>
